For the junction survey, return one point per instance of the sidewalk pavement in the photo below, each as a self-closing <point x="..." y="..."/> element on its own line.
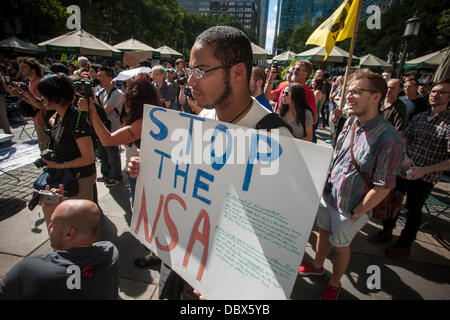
<point x="422" y="275"/>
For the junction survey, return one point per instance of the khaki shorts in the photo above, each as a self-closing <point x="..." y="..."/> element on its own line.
<point x="342" y="229"/>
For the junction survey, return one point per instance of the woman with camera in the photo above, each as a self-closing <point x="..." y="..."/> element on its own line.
<point x="71" y="141"/>
<point x="137" y="94"/>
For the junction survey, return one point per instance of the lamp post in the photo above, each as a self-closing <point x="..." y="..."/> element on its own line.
<point x="412" y="29"/>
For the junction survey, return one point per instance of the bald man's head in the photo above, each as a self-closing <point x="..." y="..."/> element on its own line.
<point x="74" y="223"/>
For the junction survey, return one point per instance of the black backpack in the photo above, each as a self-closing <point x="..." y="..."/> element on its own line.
<point x="273" y="121"/>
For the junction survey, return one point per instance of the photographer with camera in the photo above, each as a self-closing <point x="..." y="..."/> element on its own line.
<point x="32" y="70"/>
<point x="71" y="144"/>
<point x="187" y="102"/>
<point x="138" y="93"/>
<point x="110" y="98"/>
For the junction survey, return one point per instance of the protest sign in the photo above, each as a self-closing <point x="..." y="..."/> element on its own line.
<point x="230" y="209"/>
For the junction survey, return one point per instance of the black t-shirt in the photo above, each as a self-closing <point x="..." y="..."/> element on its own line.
<point x="64" y="138"/>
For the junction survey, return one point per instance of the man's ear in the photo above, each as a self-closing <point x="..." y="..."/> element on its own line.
<point x="71" y="233"/>
<point x="238" y="72"/>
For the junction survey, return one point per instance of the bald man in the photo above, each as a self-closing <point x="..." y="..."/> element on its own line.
<point x="394" y="109"/>
<point x="78" y="269"/>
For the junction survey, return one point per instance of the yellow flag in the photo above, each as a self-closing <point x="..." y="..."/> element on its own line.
<point x="339" y="26"/>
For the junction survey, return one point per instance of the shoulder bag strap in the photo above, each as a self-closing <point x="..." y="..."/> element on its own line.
<point x="365" y="178"/>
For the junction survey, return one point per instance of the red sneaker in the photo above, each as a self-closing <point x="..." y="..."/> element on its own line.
<point x="330" y="293"/>
<point x="308" y="269"/>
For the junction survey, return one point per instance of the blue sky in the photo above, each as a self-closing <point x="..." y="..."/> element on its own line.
<point x="271" y="24"/>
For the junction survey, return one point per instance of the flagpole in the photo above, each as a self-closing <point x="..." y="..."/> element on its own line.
<point x="350" y="56"/>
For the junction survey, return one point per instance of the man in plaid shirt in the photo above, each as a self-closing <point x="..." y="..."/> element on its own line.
<point x="427" y="141"/>
<point x="347" y="201"/>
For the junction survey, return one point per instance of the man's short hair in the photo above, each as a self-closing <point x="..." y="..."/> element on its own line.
<point x="145" y="63"/>
<point x="307" y="65"/>
<point x="411" y="79"/>
<point x="259" y="74"/>
<point x="178" y="61"/>
<point x="376" y="81"/>
<point x="33" y="64"/>
<point x="229" y="45"/>
<point x="440" y="81"/>
<point x="108" y="71"/>
<point x="159" y="68"/>
<point x="83" y="62"/>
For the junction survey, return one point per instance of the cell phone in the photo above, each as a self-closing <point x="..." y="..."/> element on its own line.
<point x="23" y="86"/>
<point x="48" y="197"/>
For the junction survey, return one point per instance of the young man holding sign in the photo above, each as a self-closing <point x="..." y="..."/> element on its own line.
<point x="219" y="74"/>
<point x="371" y="143"/>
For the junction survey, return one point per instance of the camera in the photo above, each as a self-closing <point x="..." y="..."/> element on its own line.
<point x="43" y="196"/>
<point x="23" y="86"/>
<point x="182" y="81"/>
<point x="48" y="155"/>
<point x="84" y="87"/>
<point x="188" y="92"/>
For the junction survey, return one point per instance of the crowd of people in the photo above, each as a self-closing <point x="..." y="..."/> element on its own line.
<point x="397" y="142"/>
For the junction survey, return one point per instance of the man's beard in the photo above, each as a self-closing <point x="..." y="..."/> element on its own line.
<point x="225" y="95"/>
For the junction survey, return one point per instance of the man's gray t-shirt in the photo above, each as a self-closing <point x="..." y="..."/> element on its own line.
<point x="77" y="273"/>
<point x="115" y="100"/>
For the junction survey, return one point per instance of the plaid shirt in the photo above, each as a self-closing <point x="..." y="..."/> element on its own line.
<point x="428" y="141"/>
<point x="379" y="152"/>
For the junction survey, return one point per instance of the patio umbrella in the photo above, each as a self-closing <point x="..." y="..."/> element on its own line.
<point x="80" y="42"/>
<point x="133" y="45"/>
<point x="429" y="61"/>
<point x="371" y="61"/>
<point x="258" y="52"/>
<point x="285" y="57"/>
<point x="443" y="71"/>
<point x="15" y="44"/>
<point x="128" y="74"/>
<point x="168" y="52"/>
<point x="317" y="54"/>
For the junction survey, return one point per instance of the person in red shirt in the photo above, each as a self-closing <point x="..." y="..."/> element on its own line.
<point x="299" y="73"/>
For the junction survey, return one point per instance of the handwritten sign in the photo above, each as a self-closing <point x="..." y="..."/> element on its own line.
<point x="230" y="209"/>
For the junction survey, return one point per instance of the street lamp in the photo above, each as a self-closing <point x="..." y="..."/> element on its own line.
<point x="412" y="29"/>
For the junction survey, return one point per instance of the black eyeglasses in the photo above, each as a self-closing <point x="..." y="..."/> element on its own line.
<point x="299" y="69"/>
<point x="286" y="93"/>
<point x="358" y="91"/>
<point x="200" y="73"/>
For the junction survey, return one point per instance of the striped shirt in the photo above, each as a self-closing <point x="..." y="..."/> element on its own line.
<point x="428" y="141"/>
<point x="378" y="150"/>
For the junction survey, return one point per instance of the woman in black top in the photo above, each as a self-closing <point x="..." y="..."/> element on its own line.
<point x="70" y="134"/>
<point x="138" y="93"/>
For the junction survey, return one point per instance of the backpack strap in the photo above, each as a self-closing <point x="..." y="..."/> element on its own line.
<point x="273" y="121"/>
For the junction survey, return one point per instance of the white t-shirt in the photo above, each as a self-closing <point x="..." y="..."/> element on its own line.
<point x="116" y="101"/>
<point x="250" y="120"/>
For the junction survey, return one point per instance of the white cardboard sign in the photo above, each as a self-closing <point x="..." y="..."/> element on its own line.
<point x="236" y="226"/>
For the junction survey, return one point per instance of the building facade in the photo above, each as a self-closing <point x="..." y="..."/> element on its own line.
<point x="252" y="14"/>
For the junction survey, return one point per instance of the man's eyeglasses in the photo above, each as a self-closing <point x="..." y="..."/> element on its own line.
<point x="200" y="73"/>
<point x="300" y="69"/>
<point x="358" y="91"/>
<point x="439" y="92"/>
<point x="286" y="93"/>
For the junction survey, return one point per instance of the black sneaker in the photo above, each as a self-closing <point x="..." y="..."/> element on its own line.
<point x="112" y="183"/>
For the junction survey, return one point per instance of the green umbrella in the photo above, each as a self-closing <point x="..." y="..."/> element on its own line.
<point x="317" y="54"/>
<point x="168" y="52"/>
<point x="285" y="57"/>
<point x="258" y="52"/>
<point x="80" y="42"/>
<point x="15" y="44"/>
<point x="371" y="61"/>
<point x="429" y="61"/>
